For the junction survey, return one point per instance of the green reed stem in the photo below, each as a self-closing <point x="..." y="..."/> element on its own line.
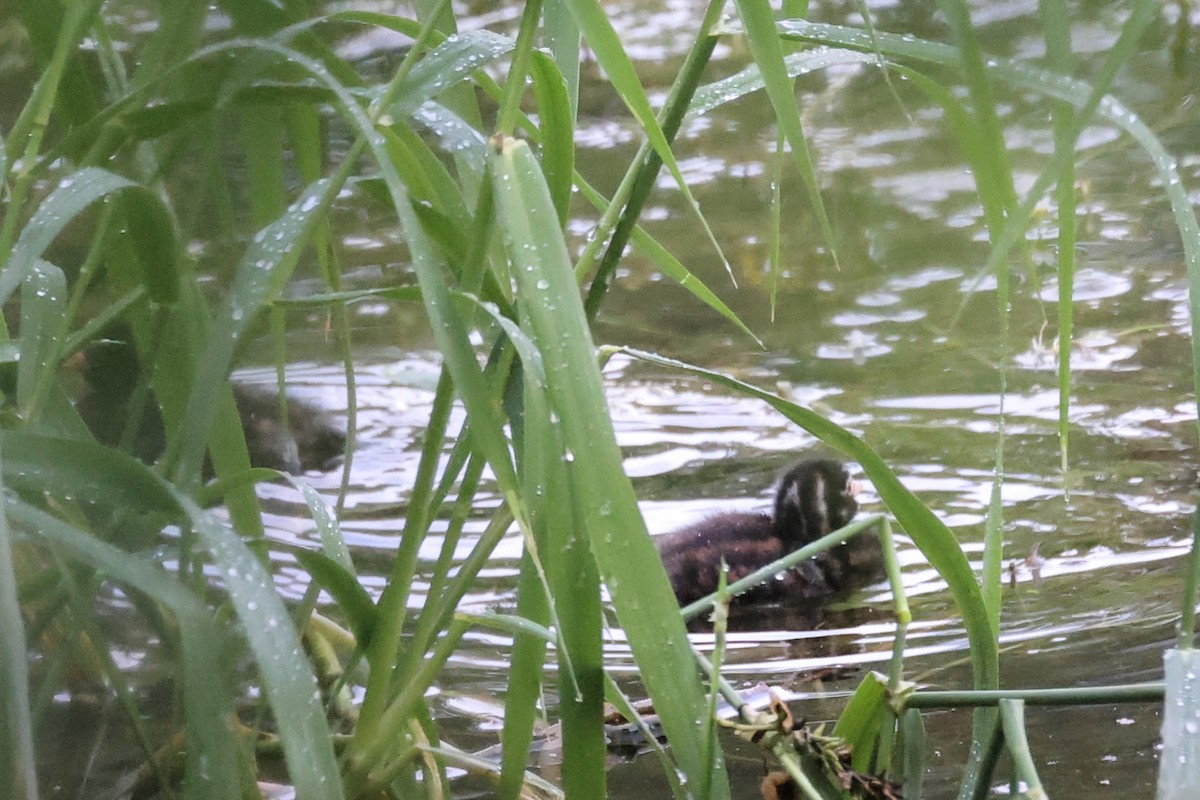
<point x="17" y="760"/>
<point x="1012" y="718"/>
<point x="514" y="86"/>
<point x="364" y="775"/>
<point x="30" y="126"/>
<point x="1187" y="622"/>
<point x="1081" y="696"/>
<point x="630" y="196"/>
<point x="720" y="619"/>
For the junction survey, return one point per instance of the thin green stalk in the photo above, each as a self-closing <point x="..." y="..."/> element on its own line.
<point x="1079" y="696"/>
<point x="630" y="197"/>
<point x="90" y="264"/>
<point x="34" y="119"/>
<point x="987" y="742"/>
<point x="524" y="684"/>
<point x="1191" y="587"/>
<point x="514" y="86"/>
<point x="775" y="234"/>
<point x="467" y="488"/>
<point x="1056" y="25"/>
<point x="720" y="619"/>
<point x="1012" y="718"/>
<point x="366" y="772"/>
<point x="419" y="45"/>
<point x="17" y="763"/>
<point x="393" y="603"/>
<point x="891" y="566"/>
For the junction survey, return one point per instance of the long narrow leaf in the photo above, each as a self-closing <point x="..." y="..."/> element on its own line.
<point x="624" y="554"/>
<point x="74" y="193"/>
<point x="287" y="675"/>
<point x="207" y="691"/>
<point x="599" y="33"/>
<point x="768" y="55"/>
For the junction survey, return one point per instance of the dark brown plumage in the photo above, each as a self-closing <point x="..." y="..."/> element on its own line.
<point x="109" y="370"/>
<point x="814" y="498"/>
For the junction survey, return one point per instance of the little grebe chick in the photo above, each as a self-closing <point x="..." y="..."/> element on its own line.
<point x="814" y="498"/>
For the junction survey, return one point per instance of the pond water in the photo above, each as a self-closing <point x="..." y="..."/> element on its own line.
<point x="900" y="345"/>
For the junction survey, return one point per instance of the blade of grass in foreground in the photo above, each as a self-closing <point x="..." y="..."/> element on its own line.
<point x="207" y="690"/>
<point x="768" y="54"/>
<point x="16" y="734"/>
<point x="570" y="573"/>
<point x="611" y="56"/>
<point x="89" y="472"/>
<point x="607" y="506"/>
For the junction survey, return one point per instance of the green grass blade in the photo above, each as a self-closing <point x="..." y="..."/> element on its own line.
<point x="995" y="182"/>
<point x="993" y="541"/>
<point x="561" y="36"/>
<point x="448" y="65"/>
<point x="775" y="226"/>
<point x="1056" y="24"/>
<point x="88" y="472"/>
<point x="84" y="471"/>
<point x="861" y="720"/>
<point x="617" y="221"/>
<point x="43" y="301"/>
<point x="261" y="276"/>
<point x="571" y="575"/>
<point x="1012" y="719"/>
<point x="606" y="45"/>
<point x="423" y="172"/>
<point x="524" y="683"/>
<point x="330" y="533"/>
<point x="670" y="266"/>
<point x="343" y="586"/>
<point x="149" y="227"/>
<point x="1078" y="93"/>
<point x="556" y="121"/>
<point x="17" y="764"/>
<point x="912" y="730"/>
<point x="750" y="79"/>
<point x="287" y="676"/>
<point x="624" y="554"/>
<point x="516" y="82"/>
<point x="264" y="145"/>
<point x="1179" y="765"/>
<point x="74" y="194"/>
<point x="767" y="50"/>
<point x="212" y="768"/>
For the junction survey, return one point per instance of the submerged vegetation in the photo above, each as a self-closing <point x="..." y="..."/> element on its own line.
<point x="469" y="143"/>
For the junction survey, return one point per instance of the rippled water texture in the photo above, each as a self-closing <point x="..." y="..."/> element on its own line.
<point x="901" y="346"/>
